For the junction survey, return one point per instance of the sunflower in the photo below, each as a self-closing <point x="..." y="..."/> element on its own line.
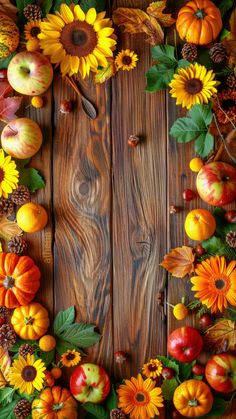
<point x="139" y="398"/>
<point x="224" y="106"/>
<point x="152" y="369"/>
<point x="193" y="85"/>
<point x="70" y="358"/>
<point x="27" y="374"/>
<point x="32" y="29"/>
<point x="8" y="175"/>
<point x="77" y="41"/>
<point x="215" y="283"/>
<point x="126" y="60"/>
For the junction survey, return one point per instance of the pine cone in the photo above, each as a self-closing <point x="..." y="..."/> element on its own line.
<point x="117" y="414"/>
<point x="189" y="52"/>
<point x="26" y="349"/>
<point x="4" y="311"/>
<point x="6" y="206"/>
<point x="22" y="409"/>
<point x="32" y="12"/>
<point x="231" y="238"/>
<point x="218" y="53"/>
<point x="7" y="336"/>
<point x="17" y="245"/>
<point x="231" y="81"/>
<point x="20" y="195"/>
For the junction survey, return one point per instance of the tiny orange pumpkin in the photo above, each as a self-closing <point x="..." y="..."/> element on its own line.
<point x="55" y="402"/>
<point x="193" y="398"/>
<point x="199" y="22"/>
<point x="19" y="280"/>
<point x="30" y="322"/>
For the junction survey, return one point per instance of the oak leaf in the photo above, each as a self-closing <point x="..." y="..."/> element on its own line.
<point x="179" y="262"/>
<point x="9" y="229"/>
<point x="5" y="363"/>
<point x="105" y="73"/>
<point x="221" y="337"/>
<point x="156" y="8"/>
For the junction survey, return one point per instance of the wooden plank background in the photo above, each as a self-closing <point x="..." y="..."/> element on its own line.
<point x="108" y="203"/>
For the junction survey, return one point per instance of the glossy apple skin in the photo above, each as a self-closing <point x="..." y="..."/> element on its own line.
<point x="216" y="183"/>
<point x="21" y="138"/>
<point x="30" y="73"/>
<point x="221" y="372"/>
<point x="90" y="383"/>
<point x="185" y="344"/>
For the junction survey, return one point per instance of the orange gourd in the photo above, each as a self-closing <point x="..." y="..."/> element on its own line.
<point x="200" y="224"/>
<point x="53" y="403"/>
<point x="199" y="22"/>
<point x="19" y="280"/>
<point x="30" y="322"/>
<point x="193" y="398"/>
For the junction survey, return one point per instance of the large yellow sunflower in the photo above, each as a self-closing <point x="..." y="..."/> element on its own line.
<point x="140" y="398"/>
<point x="32" y="29"/>
<point x="215" y="283"/>
<point x="27" y="374"/>
<point x="70" y="358"/>
<point x="77" y="41"/>
<point x="193" y="85"/>
<point x="8" y="175"/>
<point x="152" y="369"/>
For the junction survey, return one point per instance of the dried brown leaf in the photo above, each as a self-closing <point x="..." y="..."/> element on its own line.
<point x="8" y="229"/>
<point x="230" y="40"/>
<point x="5" y="363"/>
<point x="156" y="8"/>
<point x="179" y="262"/>
<point x="221" y="337"/>
<point x="8" y="8"/>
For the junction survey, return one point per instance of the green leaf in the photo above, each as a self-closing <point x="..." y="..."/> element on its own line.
<point x="231" y="314"/>
<point x="80" y="334"/>
<point x="7" y="411"/>
<point x="30" y="177"/>
<point x="4" y="62"/>
<point x="165" y="54"/>
<point x="198" y="377"/>
<point x="46" y="6"/>
<point x="216" y="246"/>
<point x="185" y="370"/>
<point x="222" y="225"/>
<point x="185" y="130"/>
<point x="112" y="401"/>
<point x="21" y="163"/>
<point x="63" y="346"/>
<point x="57" y="4"/>
<point x="183" y="63"/>
<point x="47" y="357"/>
<point x="99" y="5"/>
<point x="98" y="411"/>
<point x="204" y="58"/>
<point x="158" y="77"/>
<point x="218" y="409"/>
<point x="204" y="145"/>
<point x="224" y="33"/>
<point x="169" y="363"/>
<point x="63" y="319"/>
<point x="225" y="6"/>
<point x="168" y="388"/>
<point x="6" y="395"/>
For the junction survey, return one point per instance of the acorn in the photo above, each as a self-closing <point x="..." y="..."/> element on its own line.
<point x="120" y="357"/>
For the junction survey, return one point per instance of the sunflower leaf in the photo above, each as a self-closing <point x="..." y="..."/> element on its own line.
<point x="63" y="346"/>
<point x="58" y="3"/>
<point x="168" y="388"/>
<point x="46" y="7"/>
<point x="7" y="411"/>
<point x="169" y="363"/>
<point x="112" y="401"/>
<point x="47" y="357"/>
<point x="31" y="177"/>
<point x="63" y="319"/>
<point x="185" y="369"/>
<point x="97" y="410"/>
<point x="80" y="334"/>
<point x="99" y="5"/>
<point x="6" y="395"/>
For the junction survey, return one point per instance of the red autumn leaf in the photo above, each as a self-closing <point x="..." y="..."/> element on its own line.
<point x="8" y="105"/>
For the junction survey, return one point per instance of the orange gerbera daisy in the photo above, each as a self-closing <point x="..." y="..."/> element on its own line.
<point x="215" y="283"/>
<point x="140" y="398"/>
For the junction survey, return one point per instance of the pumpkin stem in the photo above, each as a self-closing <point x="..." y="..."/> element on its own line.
<point x="29" y="320"/>
<point x="193" y="403"/>
<point x="58" y="406"/>
<point x="200" y="14"/>
<point x="9" y="282"/>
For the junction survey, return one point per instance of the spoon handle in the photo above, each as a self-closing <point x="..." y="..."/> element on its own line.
<point x="87" y="105"/>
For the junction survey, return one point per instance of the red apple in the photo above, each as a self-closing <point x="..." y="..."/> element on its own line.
<point x="221" y="372"/>
<point x="216" y="183"/>
<point x="30" y="73"/>
<point x="185" y="344"/>
<point x="90" y="383"/>
<point x="21" y="138"/>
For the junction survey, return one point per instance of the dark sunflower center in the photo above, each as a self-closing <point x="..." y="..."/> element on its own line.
<point x="152" y="367"/>
<point x="228" y="104"/>
<point x="35" y="31"/>
<point x="78" y="38"/>
<point x="2" y="174"/>
<point x="70" y="357"/>
<point x="140" y="397"/>
<point x="126" y="60"/>
<point x="193" y="86"/>
<point x="28" y="373"/>
<point x="219" y="284"/>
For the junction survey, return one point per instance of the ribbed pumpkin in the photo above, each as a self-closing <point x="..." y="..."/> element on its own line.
<point x="9" y="36"/>
<point x="31" y="321"/>
<point x="199" y="22"/>
<point x="19" y="280"/>
<point x="53" y="403"/>
<point x="193" y="398"/>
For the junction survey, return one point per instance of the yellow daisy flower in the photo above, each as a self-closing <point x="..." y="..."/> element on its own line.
<point x="70" y="358"/>
<point x="26" y="375"/>
<point x="152" y="369"/>
<point x="78" y="41"/>
<point x="8" y="175"/>
<point x="126" y="60"/>
<point x="32" y="29"/>
<point x="193" y="85"/>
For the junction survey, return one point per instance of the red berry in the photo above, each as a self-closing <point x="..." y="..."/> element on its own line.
<point x="206" y="320"/>
<point x="230" y="216"/>
<point x="176" y="415"/>
<point x="199" y="250"/>
<point x="3" y="74"/>
<point x="188" y="195"/>
<point x="120" y="357"/>
<point x="167" y="373"/>
<point x="198" y="369"/>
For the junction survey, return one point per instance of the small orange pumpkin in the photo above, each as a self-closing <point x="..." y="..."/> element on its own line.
<point x="193" y="398"/>
<point x="53" y="403"/>
<point x="30" y="322"/>
<point x="19" y="280"/>
<point x="199" y="22"/>
<point x="200" y="224"/>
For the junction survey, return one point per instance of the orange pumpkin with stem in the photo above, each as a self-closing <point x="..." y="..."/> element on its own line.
<point x="30" y="322"/>
<point x="193" y="398"/>
<point x="199" y="22"/>
<point x="19" y="280"/>
<point x="53" y="403"/>
<point x="200" y="224"/>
